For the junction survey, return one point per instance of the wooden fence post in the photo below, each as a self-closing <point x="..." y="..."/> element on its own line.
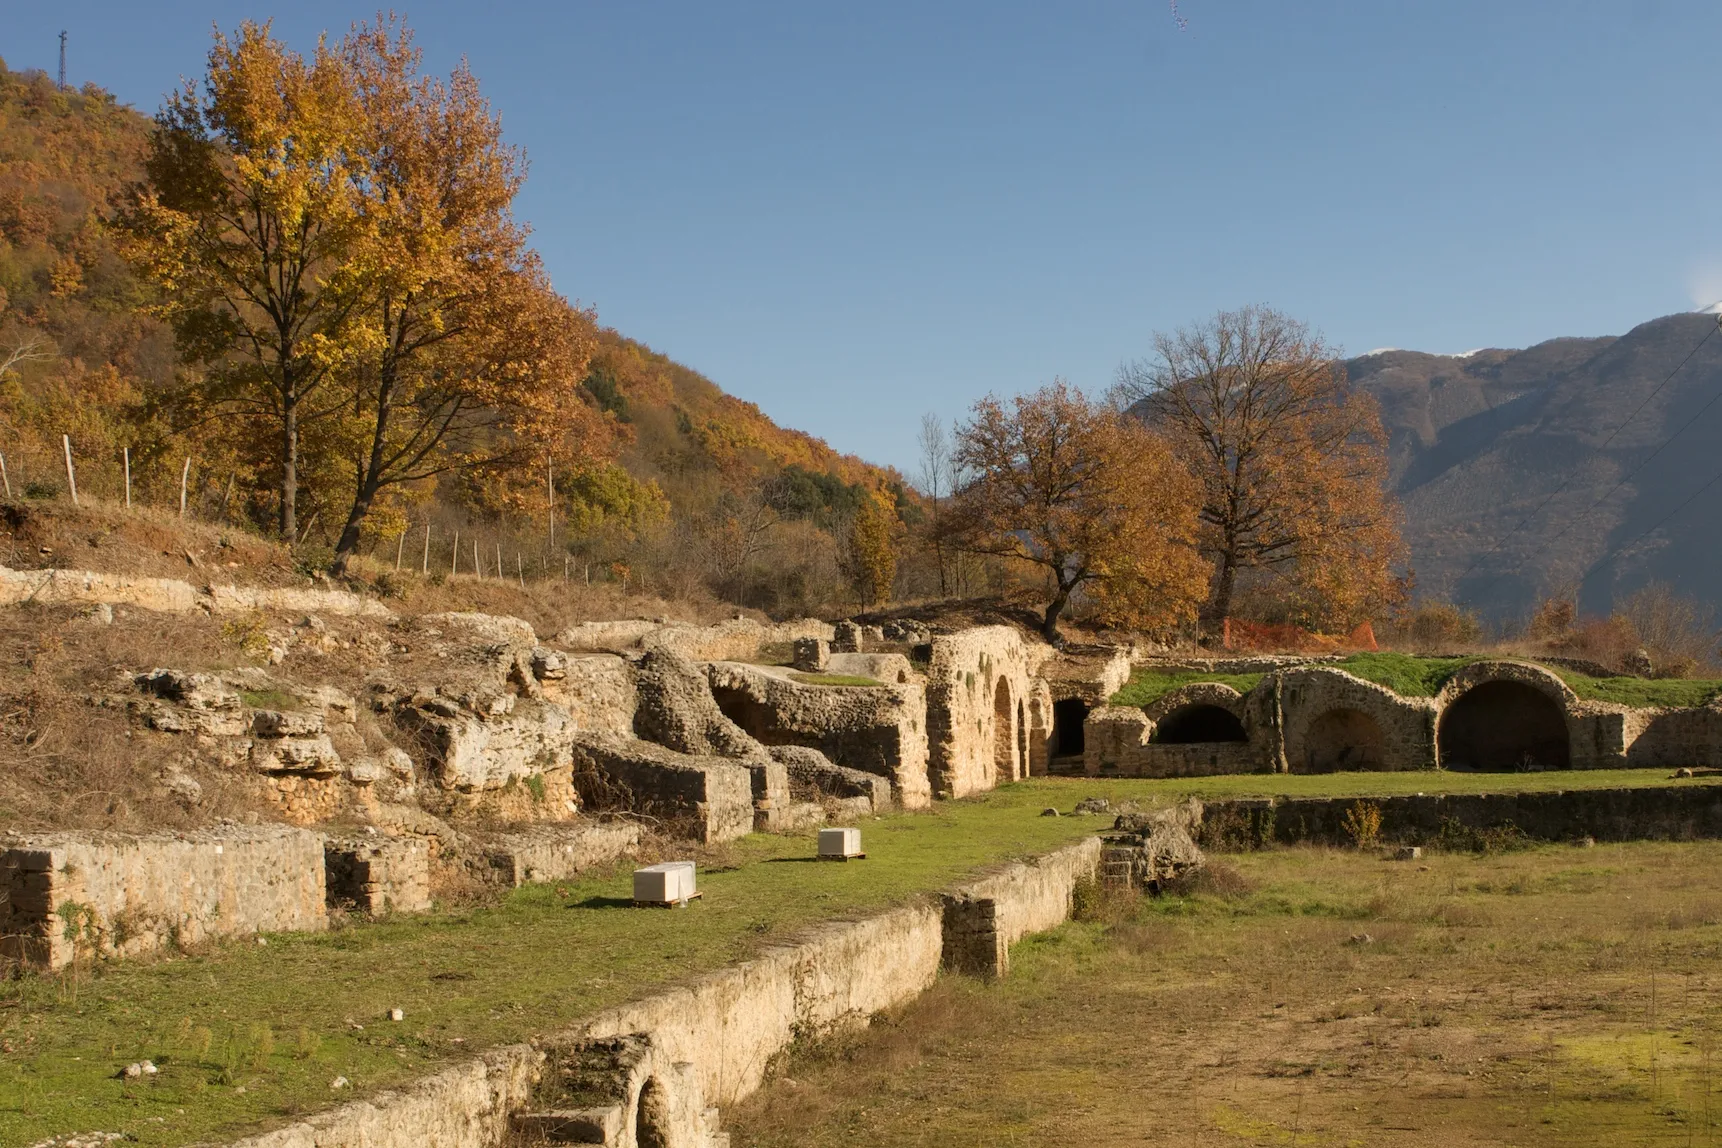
<point x="184" y="474"/>
<point x="71" y="476"/>
<point x="427" y="549"/>
<point x="4" y="478"/>
<point x="126" y="453"/>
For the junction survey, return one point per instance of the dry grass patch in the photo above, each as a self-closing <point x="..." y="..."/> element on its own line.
<point x="1549" y="997"/>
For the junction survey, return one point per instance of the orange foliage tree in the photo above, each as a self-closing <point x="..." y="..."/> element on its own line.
<point x="1095" y="499"/>
<point x="1291" y="460"/>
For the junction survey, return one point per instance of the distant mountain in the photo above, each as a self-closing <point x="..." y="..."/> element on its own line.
<point x="1480" y="441"/>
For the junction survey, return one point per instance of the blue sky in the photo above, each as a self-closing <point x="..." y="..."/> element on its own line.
<point x="852" y="214"/>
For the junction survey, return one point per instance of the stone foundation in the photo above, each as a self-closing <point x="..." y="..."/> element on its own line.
<point x="711" y="797"/>
<point x="70" y="895"/>
<point x="378" y="875"/>
<point x="558" y="852"/>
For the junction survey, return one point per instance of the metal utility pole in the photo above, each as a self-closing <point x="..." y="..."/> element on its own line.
<point x="62" y="61"/>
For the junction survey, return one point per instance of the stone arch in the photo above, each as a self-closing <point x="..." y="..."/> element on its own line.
<point x="1342" y="739"/>
<point x="652" y="1118"/>
<point x="1068" y="716"/>
<point x="1004" y="732"/>
<point x="1022" y="736"/>
<point x="1504" y="724"/>
<point x="1201" y="723"/>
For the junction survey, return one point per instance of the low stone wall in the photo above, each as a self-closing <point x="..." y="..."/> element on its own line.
<point x="985" y="918"/>
<point x="1684" y="812"/>
<point x="557" y="852"/>
<point x="75" y="894"/>
<point x="1117" y="744"/>
<point x="173" y="596"/>
<point x="720" y="1034"/>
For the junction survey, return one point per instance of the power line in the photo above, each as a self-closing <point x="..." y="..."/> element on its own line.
<point x="1556" y="493"/>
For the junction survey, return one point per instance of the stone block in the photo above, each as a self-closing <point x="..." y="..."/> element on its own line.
<point x="558" y="852"/>
<point x="378" y="874"/>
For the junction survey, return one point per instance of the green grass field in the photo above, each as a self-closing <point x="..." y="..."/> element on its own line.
<point x="1415" y="677"/>
<point x="249" y="1035"/>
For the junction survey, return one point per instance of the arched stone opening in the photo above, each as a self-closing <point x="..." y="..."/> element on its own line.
<point x="1022" y="737"/>
<point x="1004" y="733"/>
<point x="745" y="711"/>
<point x="1502" y="725"/>
<point x="1068" y="717"/>
<point x="652" y="1118"/>
<point x="1343" y="739"/>
<point x="1190" y="725"/>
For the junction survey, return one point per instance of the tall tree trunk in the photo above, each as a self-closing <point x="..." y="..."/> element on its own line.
<point x="369" y="483"/>
<point x="1220" y="602"/>
<point x="290" y="470"/>
<point x="1054" y="610"/>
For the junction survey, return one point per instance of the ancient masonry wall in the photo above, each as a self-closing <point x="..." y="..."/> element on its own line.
<point x="727" y="1028"/>
<point x="173" y="596"/>
<point x="68" y="895"/>
<point x="979" y="685"/>
<point x="1685" y="812"/>
<point x="878" y="729"/>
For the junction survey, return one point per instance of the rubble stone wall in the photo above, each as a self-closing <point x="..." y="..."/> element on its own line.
<point x="1334" y="721"/>
<point x="879" y="730"/>
<point x="712" y="797"/>
<point x="979" y="683"/>
<point x="730" y="1026"/>
<point x="120" y="895"/>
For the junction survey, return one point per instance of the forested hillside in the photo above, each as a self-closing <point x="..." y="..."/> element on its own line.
<point x="677" y="484"/>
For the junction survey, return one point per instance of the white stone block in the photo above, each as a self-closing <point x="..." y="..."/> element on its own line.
<point x="664" y="883"/>
<point x="840" y="843"/>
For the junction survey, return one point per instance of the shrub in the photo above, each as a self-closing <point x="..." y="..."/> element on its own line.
<point x="1362" y="823"/>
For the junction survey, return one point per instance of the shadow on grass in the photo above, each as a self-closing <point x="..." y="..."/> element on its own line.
<point x="603" y="903"/>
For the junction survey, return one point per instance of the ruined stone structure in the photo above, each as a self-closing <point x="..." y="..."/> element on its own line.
<point x="80" y="894"/>
<point x="877" y="730"/>
<point x="1490" y="715"/>
<point x="985" y="708"/>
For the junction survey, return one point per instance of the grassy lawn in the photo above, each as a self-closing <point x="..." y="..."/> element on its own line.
<point x="1413" y="677"/>
<point x="247" y="1035"/>
<point x="1555" y="996"/>
<point x="1379" y="784"/>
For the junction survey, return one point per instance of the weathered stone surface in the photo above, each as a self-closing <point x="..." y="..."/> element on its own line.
<point x="811" y="654"/>
<point x="979" y="686"/>
<point x="676" y="709"/>
<point x="1146" y="850"/>
<point x="814" y="777"/>
<point x="982" y="919"/>
<point x="876" y="730"/>
<point x="557" y="852"/>
<point x="710" y="797"/>
<point x="119" y="894"/>
<point x="377" y="875"/>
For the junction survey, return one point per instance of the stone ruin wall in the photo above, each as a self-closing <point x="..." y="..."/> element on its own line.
<point x="980" y="730"/>
<point x="1308" y="719"/>
<point x="880" y="730"/>
<point x="70" y="895"/>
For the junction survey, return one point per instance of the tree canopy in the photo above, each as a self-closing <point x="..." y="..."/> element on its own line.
<point x="1095" y="499"/>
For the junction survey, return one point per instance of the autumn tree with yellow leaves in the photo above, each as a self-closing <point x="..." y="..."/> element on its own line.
<point x="335" y="244"/>
<point x="1292" y="464"/>
<point x="1099" y="502"/>
<point x="248" y="224"/>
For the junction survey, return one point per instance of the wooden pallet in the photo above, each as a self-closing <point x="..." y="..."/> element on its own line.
<point x="682" y="904"/>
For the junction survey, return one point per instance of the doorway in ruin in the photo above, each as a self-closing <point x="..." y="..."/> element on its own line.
<point x="1004" y="735"/>
<point x="1068" y="717"/>
<point x="1341" y="740"/>
<point x="1503" y="726"/>
<point x="1191" y="725"/>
